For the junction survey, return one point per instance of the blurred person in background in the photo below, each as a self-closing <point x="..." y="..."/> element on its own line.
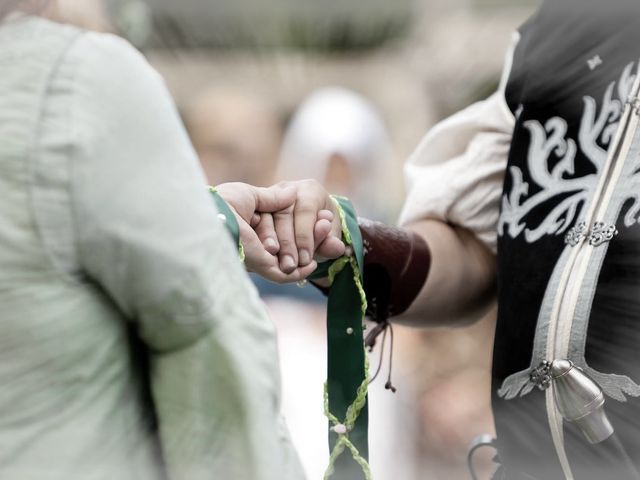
<point x="236" y="134"/>
<point x="87" y="14"/>
<point x="132" y="344"/>
<point x="452" y="371"/>
<point x="337" y="137"/>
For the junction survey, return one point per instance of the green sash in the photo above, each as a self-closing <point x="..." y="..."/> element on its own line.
<point x="347" y="368"/>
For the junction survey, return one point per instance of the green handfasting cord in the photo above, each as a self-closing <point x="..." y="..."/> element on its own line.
<point x="345" y="402"/>
<point x="230" y="220"/>
<point x="345" y="392"/>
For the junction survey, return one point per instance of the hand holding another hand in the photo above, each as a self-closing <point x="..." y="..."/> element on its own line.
<point x="285" y="228"/>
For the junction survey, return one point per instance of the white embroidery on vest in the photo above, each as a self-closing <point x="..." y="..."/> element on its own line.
<point x="550" y="147"/>
<point x="551" y="167"/>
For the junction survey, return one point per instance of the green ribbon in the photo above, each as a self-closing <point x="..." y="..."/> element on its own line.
<point x="347" y="367"/>
<point x="230" y="220"/>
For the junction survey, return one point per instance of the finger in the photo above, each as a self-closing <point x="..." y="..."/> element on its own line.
<point x="275" y="198"/>
<point x="284" y="227"/>
<point x="333" y="245"/>
<point x="257" y="258"/>
<point x="325" y="215"/>
<point x="240" y="197"/>
<point x="305" y="218"/>
<point x="266" y="232"/>
<point x="276" y="275"/>
<point x="321" y="231"/>
<point x="259" y="261"/>
<point x="331" y="248"/>
<point x="266" y="265"/>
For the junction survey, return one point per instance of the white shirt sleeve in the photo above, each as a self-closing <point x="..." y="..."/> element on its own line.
<point x="456" y="173"/>
<point x="148" y="235"/>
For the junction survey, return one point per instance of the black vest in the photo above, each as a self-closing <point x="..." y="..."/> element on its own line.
<point x="573" y="70"/>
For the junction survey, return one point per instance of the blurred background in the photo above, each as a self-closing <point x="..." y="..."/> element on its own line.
<point x="416" y="61"/>
<point x="342" y="91"/>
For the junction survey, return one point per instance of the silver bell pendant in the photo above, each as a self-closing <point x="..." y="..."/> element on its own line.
<point x="580" y="401"/>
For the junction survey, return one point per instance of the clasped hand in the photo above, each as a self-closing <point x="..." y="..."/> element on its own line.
<point x="285" y="229"/>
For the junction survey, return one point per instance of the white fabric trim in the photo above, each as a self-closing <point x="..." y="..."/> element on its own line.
<point x="456" y="173"/>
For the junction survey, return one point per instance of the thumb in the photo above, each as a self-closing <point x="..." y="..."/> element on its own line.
<point x="275" y="198"/>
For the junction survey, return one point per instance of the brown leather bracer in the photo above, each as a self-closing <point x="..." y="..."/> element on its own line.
<point x="396" y="266"/>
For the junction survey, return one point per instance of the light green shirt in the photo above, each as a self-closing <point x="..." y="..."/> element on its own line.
<point x="106" y="227"/>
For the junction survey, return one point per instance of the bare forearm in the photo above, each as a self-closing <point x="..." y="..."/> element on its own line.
<point x="461" y="281"/>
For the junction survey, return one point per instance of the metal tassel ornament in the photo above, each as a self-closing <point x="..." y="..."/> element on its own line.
<point x="580" y="401"/>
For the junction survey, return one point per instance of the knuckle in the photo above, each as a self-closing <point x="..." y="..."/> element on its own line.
<point x="304" y="238"/>
<point x="286" y="243"/>
<point x="282" y="215"/>
<point x="305" y="208"/>
<point x="308" y="183"/>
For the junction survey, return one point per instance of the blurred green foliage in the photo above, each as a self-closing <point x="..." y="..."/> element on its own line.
<point x="306" y="25"/>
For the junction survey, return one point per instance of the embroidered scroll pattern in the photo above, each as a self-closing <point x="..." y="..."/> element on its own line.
<point x="551" y="170"/>
<point x="551" y="167"/>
